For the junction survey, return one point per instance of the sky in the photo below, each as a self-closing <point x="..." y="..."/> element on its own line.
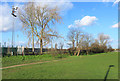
<point x="90" y="17"/>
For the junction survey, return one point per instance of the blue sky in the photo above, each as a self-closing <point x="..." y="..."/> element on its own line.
<point x="103" y="18"/>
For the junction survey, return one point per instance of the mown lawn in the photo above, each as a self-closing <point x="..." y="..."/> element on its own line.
<point x="16" y="60"/>
<point x="73" y="67"/>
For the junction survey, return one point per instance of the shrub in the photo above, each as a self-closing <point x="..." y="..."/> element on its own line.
<point x="96" y="48"/>
<point x="110" y="49"/>
<point x="71" y="51"/>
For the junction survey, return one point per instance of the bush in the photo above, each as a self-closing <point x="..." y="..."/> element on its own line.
<point x="96" y="48"/>
<point x="110" y="49"/>
<point x="71" y="51"/>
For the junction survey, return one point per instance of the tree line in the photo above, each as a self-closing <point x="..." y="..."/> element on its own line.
<point x="38" y="23"/>
<point x="84" y="42"/>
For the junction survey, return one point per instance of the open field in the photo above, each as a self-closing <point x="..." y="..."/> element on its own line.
<point x="73" y="67"/>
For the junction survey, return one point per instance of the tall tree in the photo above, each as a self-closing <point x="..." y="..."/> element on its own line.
<point x="74" y="36"/>
<point x="103" y="41"/>
<point x="81" y="44"/>
<point x="87" y="41"/>
<point x="71" y="37"/>
<point x="41" y="20"/>
<point x="28" y="21"/>
<point x="45" y="17"/>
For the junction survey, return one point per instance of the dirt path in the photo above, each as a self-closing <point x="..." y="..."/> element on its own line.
<point x="28" y="64"/>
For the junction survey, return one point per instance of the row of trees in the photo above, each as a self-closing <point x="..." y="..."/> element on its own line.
<point x="37" y="21"/>
<point x="82" y="41"/>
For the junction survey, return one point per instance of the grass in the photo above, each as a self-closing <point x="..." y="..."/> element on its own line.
<point x="81" y="67"/>
<point x="16" y="60"/>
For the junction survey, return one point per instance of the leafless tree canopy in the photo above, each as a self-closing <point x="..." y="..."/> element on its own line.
<point x="26" y="16"/>
<point x="38" y="19"/>
<point x="74" y="36"/>
<point x="38" y="22"/>
<point x="103" y="39"/>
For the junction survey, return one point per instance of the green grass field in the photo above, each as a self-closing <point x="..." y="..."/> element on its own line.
<point x="16" y="60"/>
<point x="73" y="67"/>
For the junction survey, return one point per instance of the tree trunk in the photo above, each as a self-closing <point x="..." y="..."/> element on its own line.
<point x="73" y="43"/>
<point x="41" y="42"/>
<point x="41" y="46"/>
<point x="74" y="53"/>
<point x="32" y="42"/>
<point x="87" y="52"/>
<point x="78" y="52"/>
<point x="51" y="45"/>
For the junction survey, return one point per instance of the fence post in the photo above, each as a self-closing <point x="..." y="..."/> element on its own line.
<point x="21" y="49"/>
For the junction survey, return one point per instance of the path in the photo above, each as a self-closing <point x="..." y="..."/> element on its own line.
<point x="27" y="64"/>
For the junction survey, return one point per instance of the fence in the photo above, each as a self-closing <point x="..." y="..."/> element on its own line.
<point x="8" y="51"/>
<point x="28" y="51"/>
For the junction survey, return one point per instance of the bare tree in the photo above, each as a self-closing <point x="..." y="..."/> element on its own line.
<point x="80" y="45"/>
<point x="71" y="37"/>
<point x="87" y="41"/>
<point x="41" y="19"/>
<point x="74" y="36"/>
<point x="61" y="44"/>
<point x="103" y="39"/>
<point x="100" y="44"/>
<point x="26" y="16"/>
<point x="45" y="17"/>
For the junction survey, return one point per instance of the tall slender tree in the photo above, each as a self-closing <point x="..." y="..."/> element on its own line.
<point x="28" y="21"/>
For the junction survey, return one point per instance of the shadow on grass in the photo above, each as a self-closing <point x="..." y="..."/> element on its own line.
<point x="108" y="72"/>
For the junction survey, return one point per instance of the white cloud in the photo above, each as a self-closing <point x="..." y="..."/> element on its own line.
<point x="70" y="26"/>
<point x="116" y="1"/>
<point x="107" y="0"/>
<point x="56" y="0"/>
<point x="62" y="5"/>
<point x="116" y="25"/>
<point x="6" y="19"/>
<point x="85" y="21"/>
